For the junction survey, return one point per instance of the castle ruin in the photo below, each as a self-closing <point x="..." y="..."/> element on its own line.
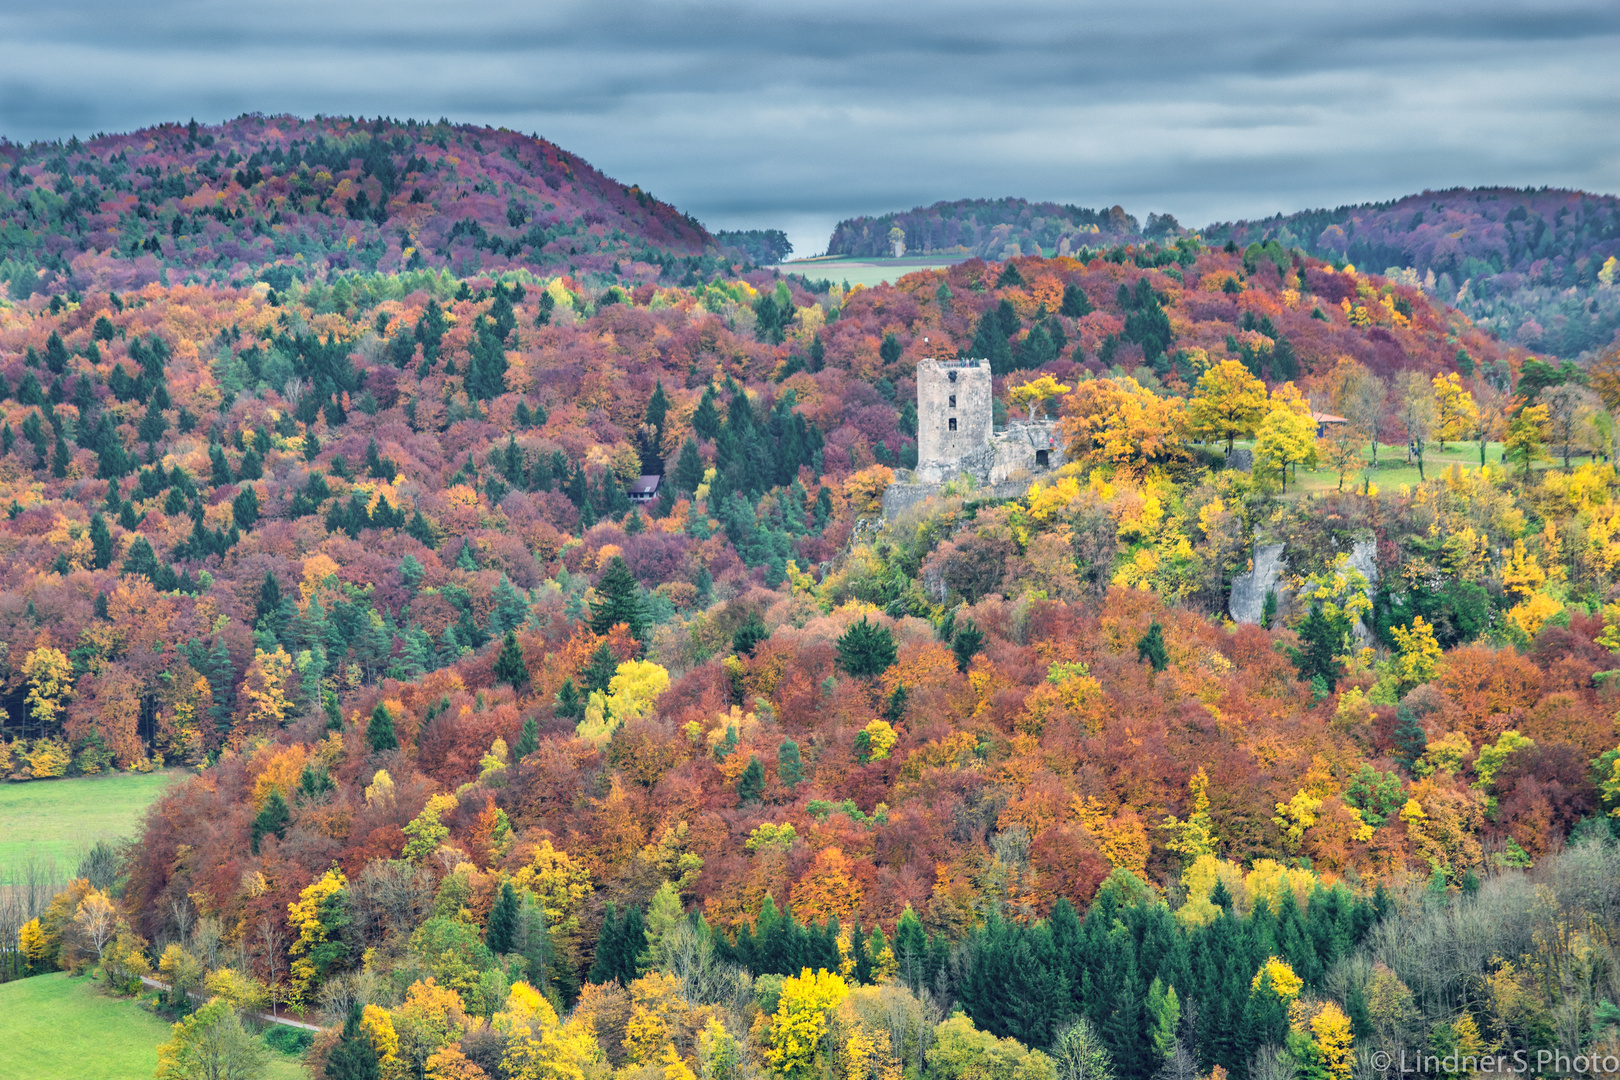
<point x="956" y="436"/>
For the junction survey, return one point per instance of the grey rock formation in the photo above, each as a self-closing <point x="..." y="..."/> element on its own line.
<point x="1249" y="589"/>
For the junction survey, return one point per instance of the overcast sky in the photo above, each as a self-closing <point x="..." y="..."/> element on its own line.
<point x="794" y="115"/>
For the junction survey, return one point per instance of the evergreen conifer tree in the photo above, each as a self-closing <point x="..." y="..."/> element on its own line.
<point x="503" y="921"/>
<point x="529" y="740"/>
<point x="380" y="731"/>
<point x="966" y="643"/>
<point x="272" y="819"/>
<point x="1151" y="648"/>
<point x="751" y="784"/>
<point x="354" y="1057"/>
<point x="618" y="601"/>
<point x="509" y="666"/>
<point x="568" y="703"/>
<point x="789" y="765"/>
<point x="101" y="542"/>
<point x="866" y="649"/>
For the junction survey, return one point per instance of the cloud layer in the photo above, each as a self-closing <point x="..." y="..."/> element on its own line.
<point x="794" y="115"/>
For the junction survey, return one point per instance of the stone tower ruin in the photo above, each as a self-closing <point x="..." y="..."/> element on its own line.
<point x="954" y="419"/>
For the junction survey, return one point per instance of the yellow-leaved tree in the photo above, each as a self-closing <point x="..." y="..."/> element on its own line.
<point x="1120" y="422"/>
<point x="799" y="1026"/>
<point x="1419" y="653"/>
<point x="50" y="683"/>
<point x="318" y="915"/>
<point x="264" y="694"/>
<point x="631" y="692"/>
<point x="1459" y="413"/>
<point x="1228" y="403"/>
<point x="1285" y="439"/>
<point x="1035" y="393"/>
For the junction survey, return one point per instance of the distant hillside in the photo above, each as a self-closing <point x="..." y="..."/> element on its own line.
<point x="278" y="197"/>
<point x="989" y="228"/>
<point x="1528" y="265"/>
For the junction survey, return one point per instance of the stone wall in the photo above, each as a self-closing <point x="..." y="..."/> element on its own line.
<point x="1019" y="449"/>
<point x="954" y="415"/>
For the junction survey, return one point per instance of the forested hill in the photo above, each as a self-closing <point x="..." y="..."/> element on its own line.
<point x="278" y="197"/>
<point x="1528" y="264"/>
<point x="991" y="228"/>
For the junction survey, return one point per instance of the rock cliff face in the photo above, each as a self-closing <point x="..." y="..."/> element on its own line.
<point x="1247" y="601"/>
<point x="1249" y="590"/>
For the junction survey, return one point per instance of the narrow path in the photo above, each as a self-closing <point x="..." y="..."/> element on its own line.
<point x="266" y="1017"/>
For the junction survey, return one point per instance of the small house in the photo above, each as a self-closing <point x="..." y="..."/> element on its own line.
<point x="645" y="488"/>
<point x="1325" y="422"/>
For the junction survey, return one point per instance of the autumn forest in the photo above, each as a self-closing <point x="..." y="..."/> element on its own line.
<point x="325" y="449"/>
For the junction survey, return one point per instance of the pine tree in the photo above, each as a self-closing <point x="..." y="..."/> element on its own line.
<point x="789" y="765"/>
<point x="141" y="560"/>
<point x="569" y="706"/>
<point x="1151" y="648"/>
<point x="751" y="784"/>
<point x="503" y="921"/>
<point x="866" y="650"/>
<point x="509" y="666"/>
<point x="966" y="643"/>
<point x="354" y="1057"/>
<point x="1076" y="304"/>
<point x="706" y="420"/>
<point x="618" y="601"/>
<point x="529" y="740"/>
<point x="380" y="731"/>
<point x="272" y="819"/>
<point x="688" y="468"/>
<point x="748" y="636"/>
<point x="101" y="542"/>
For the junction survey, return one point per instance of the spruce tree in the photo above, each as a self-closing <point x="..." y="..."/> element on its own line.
<point x="380" y="731"/>
<point x="272" y="819"/>
<point x="1151" y="648"/>
<point x="618" y="601"/>
<point x="966" y="643"/>
<point x="529" y="740"/>
<point x="866" y="649"/>
<point x="354" y="1057"/>
<point x="1076" y="304"/>
<point x="503" y="921"/>
<point x="751" y="784"/>
<point x="569" y="706"/>
<point x="509" y="666"/>
<point x="688" y="468"/>
<point x="747" y="636"/>
<point x="142" y="560"/>
<point x="101" y="542"/>
<point x="789" y="765"/>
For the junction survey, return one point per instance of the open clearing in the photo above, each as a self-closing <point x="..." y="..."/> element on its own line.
<point x="53" y="1027"/>
<point x="868" y="272"/>
<point x="60" y="818"/>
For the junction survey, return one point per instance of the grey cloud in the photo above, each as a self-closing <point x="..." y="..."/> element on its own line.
<point x="796" y="114"/>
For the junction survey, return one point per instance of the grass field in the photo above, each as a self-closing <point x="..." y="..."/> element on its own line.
<point x="53" y="1027"/>
<point x="1393" y="471"/>
<point x="868" y="272"/>
<point x="60" y="818"/>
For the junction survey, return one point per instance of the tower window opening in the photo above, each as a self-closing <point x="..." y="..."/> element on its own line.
<point x="953" y="401"/>
<point x="953" y="423"/>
